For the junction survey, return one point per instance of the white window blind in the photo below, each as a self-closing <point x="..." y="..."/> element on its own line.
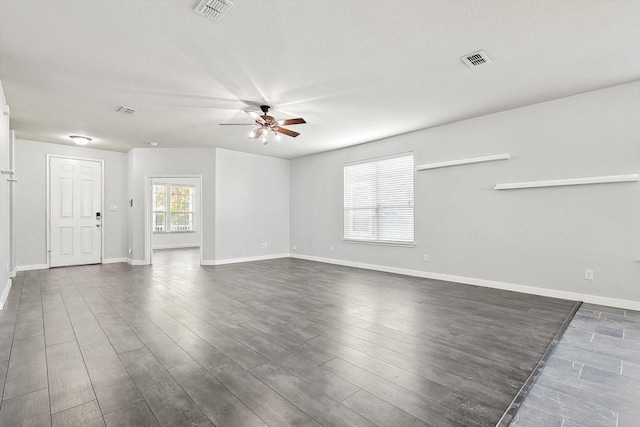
<point x="378" y="200"/>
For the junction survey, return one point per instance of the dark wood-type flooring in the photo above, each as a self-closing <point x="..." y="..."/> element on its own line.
<point x="279" y="343"/>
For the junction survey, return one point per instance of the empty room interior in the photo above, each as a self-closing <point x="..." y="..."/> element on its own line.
<point x="320" y="213"/>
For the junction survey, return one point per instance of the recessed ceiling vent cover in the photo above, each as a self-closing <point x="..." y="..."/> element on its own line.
<point x="213" y="9"/>
<point x="126" y="110"/>
<point x="476" y="59"/>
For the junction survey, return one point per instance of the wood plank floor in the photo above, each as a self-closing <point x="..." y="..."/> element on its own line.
<point x="280" y="343"/>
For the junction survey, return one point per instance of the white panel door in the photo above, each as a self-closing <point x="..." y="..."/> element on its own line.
<point x="76" y="211"/>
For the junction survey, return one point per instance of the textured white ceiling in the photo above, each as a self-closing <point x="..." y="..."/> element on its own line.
<point x="356" y="70"/>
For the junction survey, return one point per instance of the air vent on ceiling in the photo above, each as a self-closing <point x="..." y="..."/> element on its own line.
<point x="213" y="9"/>
<point x="126" y="110"/>
<point x="476" y="59"/>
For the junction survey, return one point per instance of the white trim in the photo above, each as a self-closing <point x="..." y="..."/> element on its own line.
<point x="380" y="243"/>
<point x="12" y="206"/>
<point x="12" y="273"/>
<point x="176" y="246"/>
<point x="5" y="294"/>
<point x="207" y="262"/>
<point x="571" y="181"/>
<point x="48" y="199"/>
<point x="593" y="299"/>
<point x="504" y="156"/>
<point x="32" y="267"/>
<point x="136" y="261"/>
<point x="380" y="158"/>
<point x="113" y="260"/>
<point x="247" y="259"/>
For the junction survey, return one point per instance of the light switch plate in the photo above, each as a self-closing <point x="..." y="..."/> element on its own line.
<point x="114" y="207"/>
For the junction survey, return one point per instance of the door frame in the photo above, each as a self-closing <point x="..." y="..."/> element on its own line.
<point x="48" y="197"/>
<point x="148" y="233"/>
<point x="12" y="208"/>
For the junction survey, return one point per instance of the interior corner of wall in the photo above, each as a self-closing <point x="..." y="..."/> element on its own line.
<point x="5" y="294"/>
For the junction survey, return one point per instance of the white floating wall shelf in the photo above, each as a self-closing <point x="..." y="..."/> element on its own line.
<point x="505" y="156"/>
<point x="572" y="181"/>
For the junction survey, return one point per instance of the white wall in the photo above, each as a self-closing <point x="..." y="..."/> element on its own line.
<point x="150" y="162"/>
<point x="189" y="239"/>
<point x="5" y="256"/>
<point x="31" y="203"/>
<point x="539" y="238"/>
<point x="252" y="206"/>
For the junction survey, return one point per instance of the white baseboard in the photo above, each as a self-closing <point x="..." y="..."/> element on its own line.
<point x="135" y="261"/>
<point x="12" y="273"/>
<point x="179" y="246"/>
<point x="247" y="259"/>
<point x="593" y="299"/>
<point x="32" y="267"/>
<point x="5" y="293"/>
<point x="209" y="262"/>
<point x="113" y="260"/>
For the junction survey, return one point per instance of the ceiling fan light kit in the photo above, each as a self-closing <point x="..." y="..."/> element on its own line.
<point x="267" y="125"/>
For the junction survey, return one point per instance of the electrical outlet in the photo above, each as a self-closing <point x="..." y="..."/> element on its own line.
<point x="294" y="247"/>
<point x="331" y="247"/>
<point x="588" y="275"/>
<point x="264" y="245"/>
<point x="426" y="258"/>
<point x="130" y="251"/>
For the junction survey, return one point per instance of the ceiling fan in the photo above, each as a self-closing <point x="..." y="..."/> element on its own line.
<point x="266" y="125"/>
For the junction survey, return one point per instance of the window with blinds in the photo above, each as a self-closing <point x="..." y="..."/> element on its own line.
<point x="378" y="200"/>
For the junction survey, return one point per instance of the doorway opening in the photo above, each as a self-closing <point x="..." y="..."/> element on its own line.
<point x="173" y="220"/>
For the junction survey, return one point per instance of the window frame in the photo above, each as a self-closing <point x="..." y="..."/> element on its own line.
<point x="378" y="207"/>
<point x="167" y="225"/>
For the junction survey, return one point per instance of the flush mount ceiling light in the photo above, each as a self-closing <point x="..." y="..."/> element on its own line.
<point x="80" y="140"/>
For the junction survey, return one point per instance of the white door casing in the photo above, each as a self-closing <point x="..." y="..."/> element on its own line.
<point x="75" y="211"/>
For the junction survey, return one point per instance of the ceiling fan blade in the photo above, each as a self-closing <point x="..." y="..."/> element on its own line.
<point x="288" y="122"/>
<point x="255" y="116"/>
<point x="286" y="132"/>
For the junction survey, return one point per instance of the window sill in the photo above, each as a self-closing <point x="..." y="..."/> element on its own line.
<point x="369" y="242"/>
<point x="173" y="232"/>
